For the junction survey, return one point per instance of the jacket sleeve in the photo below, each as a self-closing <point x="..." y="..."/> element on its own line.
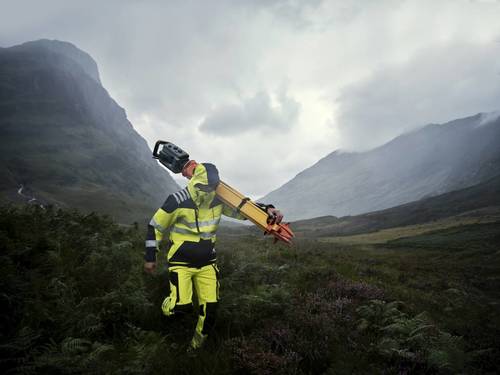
<point x="162" y="220"/>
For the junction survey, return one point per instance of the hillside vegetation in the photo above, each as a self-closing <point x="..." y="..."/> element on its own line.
<point x="77" y="301"/>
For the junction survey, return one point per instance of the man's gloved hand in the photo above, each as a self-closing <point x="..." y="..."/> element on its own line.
<point x="149" y="267"/>
<point x="275" y="216"/>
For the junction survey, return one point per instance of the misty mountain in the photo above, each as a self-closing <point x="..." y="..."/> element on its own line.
<point x="66" y="141"/>
<point x="432" y="160"/>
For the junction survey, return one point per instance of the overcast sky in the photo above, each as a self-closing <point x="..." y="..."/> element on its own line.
<point x="264" y="89"/>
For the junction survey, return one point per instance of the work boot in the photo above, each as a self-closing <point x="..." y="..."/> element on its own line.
<point x="198" y="340"/>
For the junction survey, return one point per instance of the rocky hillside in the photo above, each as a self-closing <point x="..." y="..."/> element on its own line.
<point x="432" y="160"/>
<point x="66" y="141"/>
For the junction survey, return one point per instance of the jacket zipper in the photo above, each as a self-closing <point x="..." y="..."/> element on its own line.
<point x="196" y="218"/>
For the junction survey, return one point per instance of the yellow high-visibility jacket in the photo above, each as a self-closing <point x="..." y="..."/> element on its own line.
<point x="192" y="216"/>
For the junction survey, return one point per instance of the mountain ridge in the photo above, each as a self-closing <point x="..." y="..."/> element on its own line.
<point x="63" y="48"/>
<point x="428" y="161"/>
<point x="66" y="138"/>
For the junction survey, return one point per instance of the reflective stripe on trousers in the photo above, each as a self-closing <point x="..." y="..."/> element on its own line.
<point x="204" y="235"/>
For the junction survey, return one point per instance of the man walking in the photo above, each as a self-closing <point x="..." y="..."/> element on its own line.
<point x="192" y="215"/>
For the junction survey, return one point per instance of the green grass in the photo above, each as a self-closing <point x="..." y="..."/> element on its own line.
<point x="386" y="235"/>
<point x="78" y="301"/>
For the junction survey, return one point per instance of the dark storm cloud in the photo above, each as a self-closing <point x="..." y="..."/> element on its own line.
<point x="436" y="85"/>
<point x="253" y="113"/>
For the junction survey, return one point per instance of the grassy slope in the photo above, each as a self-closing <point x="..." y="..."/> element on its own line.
<point x="451" y="273"/>
<point x="483" y="195"/>
<point x="425" y="303"/>
<point x="420" y="298"/>
<point x="448" y="273"/>
<point x="488" y="215"/>
<point x="440" y="256"/>
<point x="60" y="173"/>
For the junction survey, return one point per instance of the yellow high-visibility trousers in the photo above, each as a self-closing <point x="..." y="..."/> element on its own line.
<point x="180" y="300"/>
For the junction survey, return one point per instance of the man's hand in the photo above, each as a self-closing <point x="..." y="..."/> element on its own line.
<point x="149" y="267"/>
<point x="275" y="216"/>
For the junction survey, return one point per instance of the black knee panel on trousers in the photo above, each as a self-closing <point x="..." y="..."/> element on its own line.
<point x="211" y="312"/>
<point x="183" y="309"/>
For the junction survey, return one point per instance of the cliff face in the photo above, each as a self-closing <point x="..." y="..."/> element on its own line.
<point x="433" y="160"/>
<point x="67" y="140"/>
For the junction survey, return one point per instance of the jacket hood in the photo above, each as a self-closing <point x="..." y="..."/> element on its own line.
<point x="204" y="174"/>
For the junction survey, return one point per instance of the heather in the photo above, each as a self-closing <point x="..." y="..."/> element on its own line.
<point x="75" y="300"/>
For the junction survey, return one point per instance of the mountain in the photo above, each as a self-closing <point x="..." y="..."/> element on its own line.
<point x="65" y="141"/>
<point x="481" y="200"/>
<point x="430" y="161"/>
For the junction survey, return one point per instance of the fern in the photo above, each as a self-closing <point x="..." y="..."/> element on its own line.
<point x="410" y="339"/>
<point x="72" y="345"/>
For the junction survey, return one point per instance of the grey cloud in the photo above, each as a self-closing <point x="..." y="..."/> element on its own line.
<point x="173" y="59"/>
<point x="252" y="113"/>
<point x="486" y="118"/>
<point x="294" y="13"/>
<point x="172" y="63"/>
<point x="436" y="85"/>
